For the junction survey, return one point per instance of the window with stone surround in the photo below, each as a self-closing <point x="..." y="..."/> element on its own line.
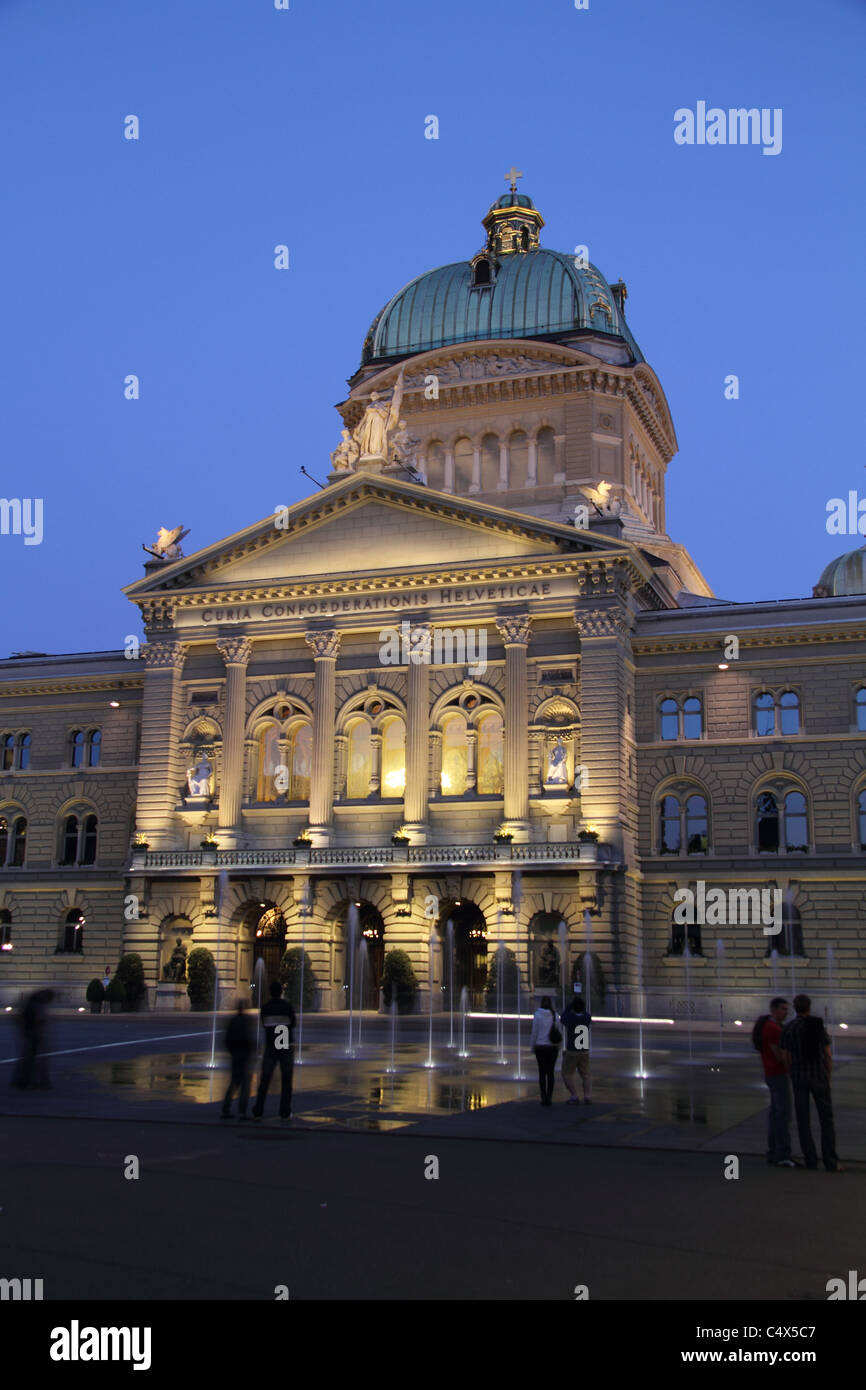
<point x="683" y="822"/>
<point x="861" y="818"/>
<point x="781" y="822"/>
<point x="681" y="717"/>
<point x="776" y="713"/>
<point x="5" y="929"/>
<point x="15" y="752"/>
<point x="13" y="840"/>
<point x="860" y="708"/>
<point x="78" y="835"/>
<point x="72" y="933"/>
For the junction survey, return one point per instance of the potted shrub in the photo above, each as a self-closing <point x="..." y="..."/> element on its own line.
<point x="209" y="847"/>
<point x="303" y="844"/>
<point x="587" y="843"/>
<point x="502" y="841"/>
<point x="140" y="847"/>
<point x="94" y="996"/>
<point x="130" y="972"/>
<point x="401" y="844"/>
<point x="201" y="974"/>
<point x="116" y="996"/>
<point x="399" y="981"/>
<point x="290" y="977"/>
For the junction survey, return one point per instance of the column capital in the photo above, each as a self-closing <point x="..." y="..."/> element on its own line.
<point x="420" y="643"/>
<point x="515" y="630"/>
<point x="235" y="651"/>
<point x="325" y="642"/>
<point x="602" y="622"/>
<point x="165" y="654"/>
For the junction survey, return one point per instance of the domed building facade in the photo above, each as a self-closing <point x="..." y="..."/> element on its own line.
<point x="473" y="681"/>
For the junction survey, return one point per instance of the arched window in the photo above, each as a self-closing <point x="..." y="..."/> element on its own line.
<point x="360" y="769"/>
<point x="481" y="273"/>
<point x="76" y="748"/>
<point x="860" y="709"/>
<point x="69" y="849"/>
<point x="5" y="929"/>
<point x="796" y="823"/>
<point x="777" y="714"/>
<point x="861" y="818"/>
<point x="545" y="456"/>
<point x="300" y="762"/>
<point x="88" y="840"/>
<point x="682" y="932"/>
<point x="670" y="838"/>
<point x="24" y="752"/>
<point x="789" y="713"/>
<point x="78" y="839"/>
<point x="768" y="824"/>
<point x="393" y="756"/>
<point x="268" y="760"/>
<point x="518" y="459"/>
<point x="455" y="756"/>
<point x="696" y="825"/>
<point x="669" y="720"/>
<point x="8" y="747"/>
<point x="73" y="931"/>
<point x="18" y="849"/>
<point x="489" y="463"/>
<point x="463" y="466"/>
<point x="435" y="465"/>
<point x="692" y="717"/>
<point x="490" y="765"/>
<point x="789" y="941"/>
<point x="94" y="747"/>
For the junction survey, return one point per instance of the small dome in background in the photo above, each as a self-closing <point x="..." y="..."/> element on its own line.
<point x="843" y="576"/>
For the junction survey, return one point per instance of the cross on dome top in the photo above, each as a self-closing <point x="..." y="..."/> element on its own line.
<point x="513" y="174"/>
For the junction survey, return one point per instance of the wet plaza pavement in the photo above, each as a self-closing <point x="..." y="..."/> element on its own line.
<point x="691" y="1096"/>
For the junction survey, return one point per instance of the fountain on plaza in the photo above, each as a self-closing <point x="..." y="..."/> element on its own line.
<point x="363" y="966"/>
<point x="222" y="880"/>
<point x="431" y="956"/>
<point x="449" y="947"/>
<point x="353" y="923"/>
<point x="500" y="985"/>
<point x="299" y="1060"/>
<point x="640" y="1009"/>
<point x="587" y="926"/>
<point x="259" y="995"/>
<point x="562" y="933"/>
<point x="464" y="1010"/>
<point x="393" y="1011"/>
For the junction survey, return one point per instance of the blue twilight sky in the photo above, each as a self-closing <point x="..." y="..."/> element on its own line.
<point x="306" y="126"/>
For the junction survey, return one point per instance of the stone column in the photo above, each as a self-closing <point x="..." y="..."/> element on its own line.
<point x="503" y="465"/>
<point x="606" y="684"/>
<point x="449" y="469"/>
<point x="471" y="759"/>
<point x="416" y="795"/>
<point x="516" y="632"/>
<point x="559" y="457"/>
<point x="235" y="652"/>
<point x="325" y="644"/>
<point x="436" y="761"/>
<point x="476" y="468"/>
<point x="532" y="462"/>
<point x="160" y="775"/>
<point x="375" y="764"/>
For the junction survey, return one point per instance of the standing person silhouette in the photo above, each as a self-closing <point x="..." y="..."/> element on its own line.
<point x="278" y="1021"/>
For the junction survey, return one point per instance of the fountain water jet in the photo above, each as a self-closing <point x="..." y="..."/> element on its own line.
<point x="393" y="1011"/>
<point x="500" y="1021"/>
<point x="353" y="922"/>
<point x="449" y="943"/>
<point x="260" y="995"/>
<point x="431" y="957"/>
<point x="363" y="964"/>
<point x="562" y="933"/>
<point x="464" y="1010"/>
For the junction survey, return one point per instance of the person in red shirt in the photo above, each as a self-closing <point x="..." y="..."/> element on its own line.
<point x="776" y="1076"/>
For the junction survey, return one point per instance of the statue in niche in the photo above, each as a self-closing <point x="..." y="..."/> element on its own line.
<point x="557" y="765"/>
<point x="174" y="972"/>
<point x="346" y="453"/>
<point x="198" y="778"/>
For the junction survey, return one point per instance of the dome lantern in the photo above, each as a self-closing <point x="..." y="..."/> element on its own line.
<point x="513" y="222"/>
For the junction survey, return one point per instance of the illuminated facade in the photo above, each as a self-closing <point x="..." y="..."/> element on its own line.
<point x="483" y="632"/>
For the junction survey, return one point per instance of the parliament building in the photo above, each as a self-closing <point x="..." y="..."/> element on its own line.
<point x="471" y="680"/>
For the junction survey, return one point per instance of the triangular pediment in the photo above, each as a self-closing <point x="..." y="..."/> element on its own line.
<point x="367" y="524"/>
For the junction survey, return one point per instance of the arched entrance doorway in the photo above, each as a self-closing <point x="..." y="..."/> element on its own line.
<point x="548" y="953"/>
<point x="469" y="947"/>
<point x="369" y="958"/>
<point x="269" y="944"/>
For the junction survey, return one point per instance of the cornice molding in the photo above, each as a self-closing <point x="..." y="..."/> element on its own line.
<point x="765" y="637"/>
<point x="52" y="686"/>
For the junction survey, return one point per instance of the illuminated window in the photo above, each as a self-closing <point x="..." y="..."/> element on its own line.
<point x="393" y="757"/>
<point x="360" y="768"/>
<point x="300" y="762"/>
<point x="455" y="756"/>
<point x="490" y="767"/>
<point x="267" y="763"/>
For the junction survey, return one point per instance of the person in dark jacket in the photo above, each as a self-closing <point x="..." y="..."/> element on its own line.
<point x="808" y="1044"/>
<point x="278" y="1021"/>
<point x="576" y="1026"/>
<point x="32" y="1067"/>
<point x="240" y="1045"/>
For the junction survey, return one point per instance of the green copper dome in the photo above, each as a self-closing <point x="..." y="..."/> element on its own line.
<point x="512" y="288"/>
<point x="844" y="575"/>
